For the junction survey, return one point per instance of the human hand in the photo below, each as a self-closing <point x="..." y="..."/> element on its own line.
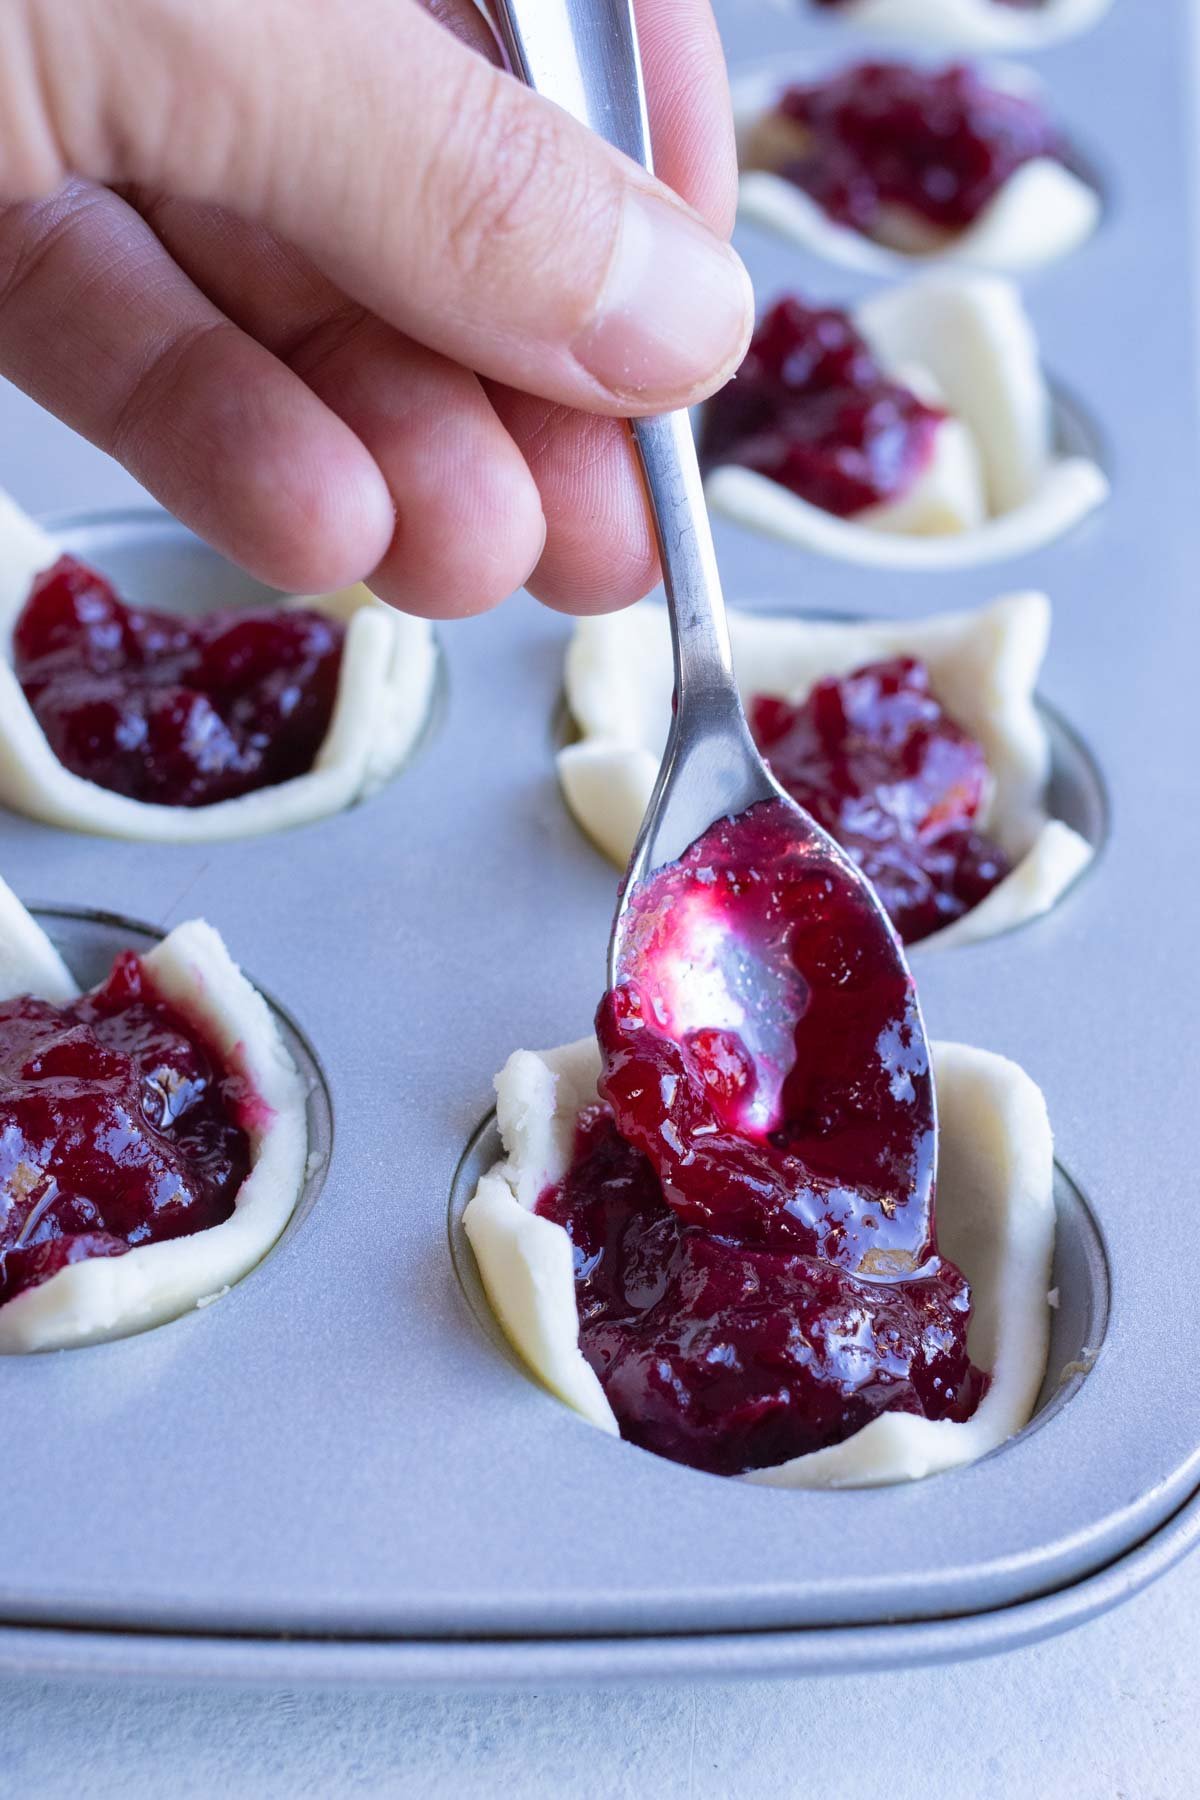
<point x="353" y="302"/>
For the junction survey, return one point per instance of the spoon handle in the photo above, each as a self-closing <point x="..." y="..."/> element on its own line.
<point x="704" y="679"/>
<point x="583" y="55"/>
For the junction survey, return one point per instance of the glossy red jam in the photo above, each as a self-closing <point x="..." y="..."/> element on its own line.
<point x="940" y="143"/>
<point x="176" y="711"/>
<point x="118" y="1127"/>
<point x="751" y="1204"/>
<point x="811" y="409"/>
<point x="876" y="761"/>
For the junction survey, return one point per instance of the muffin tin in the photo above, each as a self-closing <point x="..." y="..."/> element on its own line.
<point x="338" y="1471"/>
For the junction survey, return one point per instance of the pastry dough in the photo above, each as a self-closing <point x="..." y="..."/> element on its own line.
<point x="973" y="24"/>
<point x="983" y="666"/>
<point x="995" y="1211"/>
<point x="963" y="341"/>
<point x="384" y="691"/>
<point x="112" y="1296"/>
<point x="1042" y="212"/>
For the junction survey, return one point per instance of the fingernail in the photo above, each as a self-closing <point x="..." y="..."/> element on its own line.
<point x="676" y="311"/>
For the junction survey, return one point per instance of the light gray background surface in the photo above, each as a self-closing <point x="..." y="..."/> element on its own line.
<point x="1110" y="1710"/>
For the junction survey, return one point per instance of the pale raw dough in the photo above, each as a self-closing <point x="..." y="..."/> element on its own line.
<point x="983" y="666"/>
<point x="110" y="1297"/>
<point x="964" y="341"/>
<point x="973" y="24"/>
<point x="1042" y="212"/>
<point x="384" y="691"/>
<point x="995" y="1211"/>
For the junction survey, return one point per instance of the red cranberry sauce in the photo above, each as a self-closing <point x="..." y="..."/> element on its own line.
<point x="876" y="761"/>
<point x="118" y="1127"/>
<point x="940" y="143"/>
<point x="751" y="1203"/>
<point x="811" y="409"/>
<point x="172" y="710"/>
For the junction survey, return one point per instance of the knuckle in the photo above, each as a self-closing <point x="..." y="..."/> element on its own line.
<point x="34" y="236"/>
<point x="146" y="419"/>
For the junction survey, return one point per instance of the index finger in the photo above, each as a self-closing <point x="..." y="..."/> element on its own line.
<point x="687" y="94"/>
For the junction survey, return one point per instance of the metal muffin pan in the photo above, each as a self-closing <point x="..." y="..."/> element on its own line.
<point x="336" y="1472"/>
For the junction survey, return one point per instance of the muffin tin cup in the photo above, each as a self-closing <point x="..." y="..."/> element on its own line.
<point x="337" y="1472"/>
<point x="1075" y="792"/>
<point x="1079" y="1280"/>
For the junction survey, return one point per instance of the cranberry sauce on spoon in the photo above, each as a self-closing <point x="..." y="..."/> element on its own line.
<point x="751" y="1202"/>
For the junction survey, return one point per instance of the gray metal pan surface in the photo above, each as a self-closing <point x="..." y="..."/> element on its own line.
<point x="339" y="1449"/>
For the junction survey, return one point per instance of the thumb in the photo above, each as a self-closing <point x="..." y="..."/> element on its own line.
<point x="438" y="191"/>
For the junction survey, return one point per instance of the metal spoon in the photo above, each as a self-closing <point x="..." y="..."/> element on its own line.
<point x="583" y="54"/>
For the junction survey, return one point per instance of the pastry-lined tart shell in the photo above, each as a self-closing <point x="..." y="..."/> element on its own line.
<point x="384" y="691"/>
<point x="1042" y="212"/>
<point x="983" y="668"/>
<point x="995" y="485"/>
<point x="995" y="1212"/>
<point x="113" y="1296"/>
